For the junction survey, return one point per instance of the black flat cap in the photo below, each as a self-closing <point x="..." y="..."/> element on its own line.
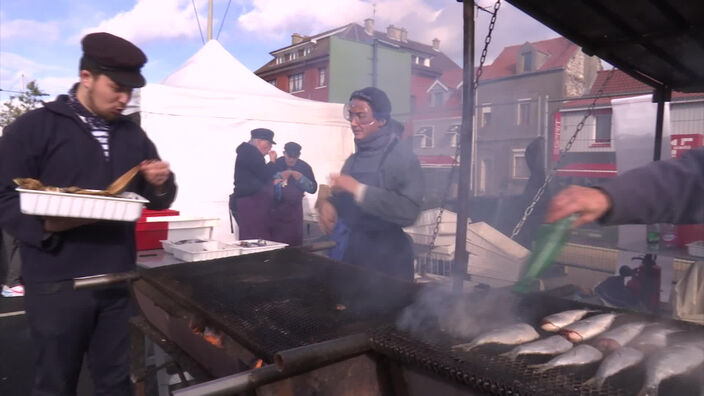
<point x="264" y="134"/>
<point x="115" y="57"/>
<point x="293" y="149"/>
<point x="377" y="99"/>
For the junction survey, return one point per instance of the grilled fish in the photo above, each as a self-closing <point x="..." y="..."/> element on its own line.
<point x="652" y="338"/>
<point x="619" y="336"/>
<point x="509" y="335"/>
<point x="675" y="360"/>
<point x="577" y="356"/>
<point x="559" y="320"/>
<point x="549" y="346"/>
<point x="588" y="328"/>
<point x="619" y="360"/>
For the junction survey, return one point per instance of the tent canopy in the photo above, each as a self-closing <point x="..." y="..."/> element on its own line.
<point x="658" y="42"/>
<point x="208" y="107"/>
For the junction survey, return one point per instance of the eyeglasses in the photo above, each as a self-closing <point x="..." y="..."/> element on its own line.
<point x="352" y="116"/>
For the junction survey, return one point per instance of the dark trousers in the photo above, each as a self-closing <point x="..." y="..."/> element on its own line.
<point x="66" y="324"/>
<point x="10" y="258"/>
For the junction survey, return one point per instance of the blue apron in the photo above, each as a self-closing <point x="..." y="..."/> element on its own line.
<point x="366" y="240"/>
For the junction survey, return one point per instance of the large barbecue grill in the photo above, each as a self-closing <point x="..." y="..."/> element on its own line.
<point x="291" y="300"/>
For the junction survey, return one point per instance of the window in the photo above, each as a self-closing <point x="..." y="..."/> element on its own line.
<point x="519" y="167"/>
<point x="424" y="137"/>
<point x="322" y="77"/>
<point x="279" y="59"/>
<point x="307" y="51"/>
<point x="426" y="62"/>
<point x="454" y="132"/>
<point x="437" y="98"/>
<point x="295" y="82"/>
<point x="603" y="128"/>
<point x="272" y="82"/>
<point x="484" y="173"/>
<point x="527" y="58"/>
<point x="293" y="55"/>
<point x="485" y="118"/>
<point x="523" y="117"/>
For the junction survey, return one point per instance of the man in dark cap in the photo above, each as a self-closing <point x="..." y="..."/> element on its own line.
<point x="250" y="202"/>
<point x="378" y="191"/>
<point x="81" y="139"/>
<point x="294" y="177"/>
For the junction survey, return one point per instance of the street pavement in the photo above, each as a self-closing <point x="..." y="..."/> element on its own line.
<point x="17" y="352"/>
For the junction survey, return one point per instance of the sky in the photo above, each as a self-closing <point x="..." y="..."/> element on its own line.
<point x="40" y="39"/>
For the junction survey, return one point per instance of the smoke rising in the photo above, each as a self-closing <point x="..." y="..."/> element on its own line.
<point x="459" y="316"/>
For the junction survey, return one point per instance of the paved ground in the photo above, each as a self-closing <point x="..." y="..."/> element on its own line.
<point x="17" y="351"/>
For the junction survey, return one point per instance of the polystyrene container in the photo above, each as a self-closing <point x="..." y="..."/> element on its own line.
<point x="252" y="245"/>
<point x="199" y="251"/>
<point x="696" y="248"/>
<point x="168" y="246"/>
<point x="125" y="207"/>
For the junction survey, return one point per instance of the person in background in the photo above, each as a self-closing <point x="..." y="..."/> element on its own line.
<point x="251" y="200"/>
<point x="668" y="191"/>
<point x="293" y="178"/>
<point x="378" y="191"/>
<point x="81" y="139"/>
<point x="11" y="266"/>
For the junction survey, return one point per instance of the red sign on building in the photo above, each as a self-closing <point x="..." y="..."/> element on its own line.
<point x="681" y="143"/>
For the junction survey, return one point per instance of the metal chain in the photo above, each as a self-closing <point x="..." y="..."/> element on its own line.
<point x="568" y="146"/>
<point x="455" y="160"/>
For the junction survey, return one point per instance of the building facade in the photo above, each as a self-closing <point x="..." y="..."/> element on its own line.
<point x="329" y="66"/>
<point x="516" y="98"/>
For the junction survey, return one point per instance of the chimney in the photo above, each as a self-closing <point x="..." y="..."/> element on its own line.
<point x="436" y="44"/>
<point x="404" y="35"/>
<point x="393" y="33"/>
<point x="369" y="26"/>
<point x="296" y="38"/>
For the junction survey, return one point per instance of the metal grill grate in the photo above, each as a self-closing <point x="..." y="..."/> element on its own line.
<point x="274" y="301"/>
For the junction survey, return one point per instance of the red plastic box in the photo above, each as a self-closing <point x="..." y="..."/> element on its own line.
<point x="149" y="235"/>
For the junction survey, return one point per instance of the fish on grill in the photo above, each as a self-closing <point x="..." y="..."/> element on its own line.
<point x="675" y="360"/>
<point x="510" y="335"/>
<point x="559" y="320"/>
<point x="619" y="336"/>
<point x="619" y="360"/>
<point x="588" y="328"/>
<point x="577" y="356"/>
<point x="652" y="338"/>
<point x="549" y="346"/>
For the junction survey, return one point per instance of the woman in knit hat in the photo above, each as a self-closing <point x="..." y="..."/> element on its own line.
<point x="378" y="192"/>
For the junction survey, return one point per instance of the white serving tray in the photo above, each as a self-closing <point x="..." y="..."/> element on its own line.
<point x="200" y="251"/>
<point x="268" y="245"/>
<point x="125" y="207"/>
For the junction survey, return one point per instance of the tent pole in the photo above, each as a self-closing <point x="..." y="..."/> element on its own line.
<point x="459" y="269"/>
<point x="210" y="20"/>
<point x="660" y="95"/>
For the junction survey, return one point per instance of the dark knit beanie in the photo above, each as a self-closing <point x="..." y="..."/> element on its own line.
<point x="377" y="100"/>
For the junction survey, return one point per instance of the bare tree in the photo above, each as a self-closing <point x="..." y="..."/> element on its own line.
<point x="20" y="104"/>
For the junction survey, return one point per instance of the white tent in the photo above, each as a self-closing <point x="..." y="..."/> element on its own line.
<point x="205" y="109"/>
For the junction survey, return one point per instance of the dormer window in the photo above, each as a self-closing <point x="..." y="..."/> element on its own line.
<point x="307" y="51"/>
<point x="527" y="60"/>
<point x="279" y="59"/>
